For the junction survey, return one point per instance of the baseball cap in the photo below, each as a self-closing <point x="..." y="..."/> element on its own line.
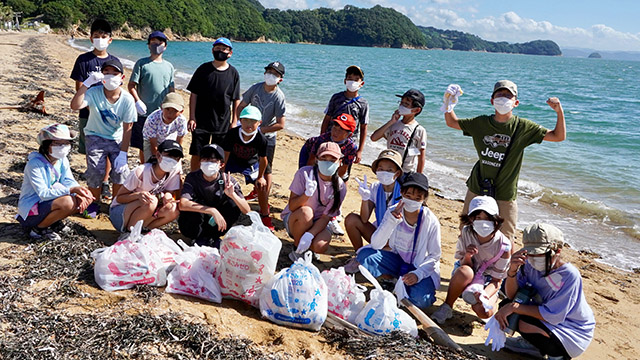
<point x="157" y="34"/>
<point x="390" y="155"/>
<point x="353" y="69"/>
<point x="55" y="132"/>
<point x="101" y="25"/>
<point x="114" y="63"/>
<point x="415" y="95"/>
<point x="505" y="84"/>
<point x="212" y="150"/>
<point x="329" y="148"/>
<point x="346" y="122"/>
<point x="251" y="112"/>
<point x="540" y="238"/>
<point x="416" y="179"/>
<point x="172" y="147"/>
<point x="173" y="100"/>
<point x="484" y="203"/>
<point x="223" y="41"/>
<point x="277" y="66"/>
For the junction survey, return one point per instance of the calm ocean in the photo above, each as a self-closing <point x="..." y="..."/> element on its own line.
<point x="588" y="185"/>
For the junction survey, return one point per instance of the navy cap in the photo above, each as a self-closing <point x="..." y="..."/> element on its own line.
<point x="172" y="147"/>
<point x="212" y="150"/>
<point x="415" y="95"/>
<point x="157" y="34"/>
<point x="277" y="66"/>
<point x="114" y="63"/>
<point x="223" y="41"/>
<point x="416" y="179"/>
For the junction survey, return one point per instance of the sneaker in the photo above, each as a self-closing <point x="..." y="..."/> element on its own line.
<point x="522" y="346"/>
<point x="61" y="228"/>
<point x="443" y="313"/>
<point x="43" y="234"/>
<point x="339" y="218"/>
<point x="253" y="196"/>
<point x="266" y="221"/>
<point x="469" y="297"/>
<point x="293" y="256"/>
<point x="91" y="212"/>
<point x="351" y="267"/>
<point x="334" y="227"/>
<point x="105" y="191"/>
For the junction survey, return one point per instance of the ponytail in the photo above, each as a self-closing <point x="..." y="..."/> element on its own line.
<point x="335" y="185"/>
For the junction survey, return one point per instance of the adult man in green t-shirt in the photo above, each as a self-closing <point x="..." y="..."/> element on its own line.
<point x="492" y="136"/>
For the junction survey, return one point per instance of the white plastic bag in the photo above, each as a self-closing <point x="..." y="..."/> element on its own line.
<point x="249" y="256"/>
<point x="381" y="314"/>
<point x="345" y="298"/>
<point x="296" y="296"/>
<point x="163" y="245"/>
<point x="195" y="273"/>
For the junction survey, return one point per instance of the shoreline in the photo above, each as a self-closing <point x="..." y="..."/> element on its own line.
<point x="612" y="293"/>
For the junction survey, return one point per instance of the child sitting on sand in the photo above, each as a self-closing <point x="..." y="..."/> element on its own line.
<point x="482" y="255"/>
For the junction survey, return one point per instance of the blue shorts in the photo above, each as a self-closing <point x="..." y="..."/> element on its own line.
<point x="250" y="173"/>
<point x="44" y="209"/>
<point x="116" y="215"/>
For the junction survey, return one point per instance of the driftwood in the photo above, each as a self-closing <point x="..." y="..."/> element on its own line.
<point x="334" y="322"/>
<point x="33" y="103"/>
<point x="431" y="328"/>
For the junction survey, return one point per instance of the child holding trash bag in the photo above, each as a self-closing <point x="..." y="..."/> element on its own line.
<point x="375" y="199"/>
<point x="482" y="255"/>
<point x="150" y="190"/>
<point x="561" y="324"/>
<point x="316" y="195"/>
<point x="406" y="244"/>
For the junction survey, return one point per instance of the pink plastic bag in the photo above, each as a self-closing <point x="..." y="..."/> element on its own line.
<point x="345" y="298"/>
<point x="195" y="273"/>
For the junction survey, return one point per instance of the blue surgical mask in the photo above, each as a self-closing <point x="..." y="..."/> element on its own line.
<point x="327" y="168"/>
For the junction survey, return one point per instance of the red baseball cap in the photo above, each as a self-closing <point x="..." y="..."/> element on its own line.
<point x="346" y="122"/>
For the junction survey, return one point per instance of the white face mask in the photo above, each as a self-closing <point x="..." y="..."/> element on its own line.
<point x="353" y="86"/>
<point x="100" y="43"/>
<point x="168" y="164"/>
<point x="503" y="105"/>
<point x="483" y="228"/>
<point x="210" y="168"/>
<point x="112" y="82"/>
<point x="251" y="134"/>
<point x="60" y="151"/>
<point x="539" y="263"/>
<point x="403" y="110"/>
<point x="411" y="205"/>
<point x="271" y="79"/>
<point x="386" y="177"/>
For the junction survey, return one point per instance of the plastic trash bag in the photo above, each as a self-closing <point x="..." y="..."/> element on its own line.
<point x="249" y="256"/>
<point x="163" y="245"/>
<point x="381" y="314"/>
<point x="195" y="273"/>
<point x="345" y="298"/>
<point x="296" y="296"/>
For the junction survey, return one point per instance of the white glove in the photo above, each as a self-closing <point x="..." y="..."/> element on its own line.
<point x="305" y="242"/>
<point x="120" y="164"/>
<point x="450" y="99"/>
<point x="94" y="78"/>
<point x="141" y="107"/>
<point x="496" y="334"/>
<point x="310" y="185"/>
<point x="364" y="189"/>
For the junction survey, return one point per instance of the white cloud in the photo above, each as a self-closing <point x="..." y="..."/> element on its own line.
<point x="285" y="4"/>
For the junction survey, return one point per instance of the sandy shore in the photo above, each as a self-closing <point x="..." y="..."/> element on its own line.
<point x="31" y="62"/>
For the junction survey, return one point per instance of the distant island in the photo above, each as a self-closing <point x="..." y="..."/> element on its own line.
<point x="249" y="20"/>
<point x="595" y="55"/>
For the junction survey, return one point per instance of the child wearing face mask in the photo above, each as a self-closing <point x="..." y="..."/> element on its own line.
<point x="151" y="80"/>
<point x="559" y="323"/>
<point x="211" y="201"/>
<point x="482" y="257"/>
<point x="406" y="245"/>
<point x="316" y="195"/>
<point x="350" y="102"/>
<point x="492" y="137"/>
<point x="49" y="192"/>
<point x="376" y="198"/>
<point x="164" y="123"/>
<point x="404" y="134"/>
<point x="108" y="130"/>
<point x="150" y="191"/>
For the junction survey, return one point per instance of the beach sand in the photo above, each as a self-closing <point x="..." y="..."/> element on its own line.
<point x="30" y="62"/>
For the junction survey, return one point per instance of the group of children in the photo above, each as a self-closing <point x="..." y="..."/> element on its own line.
<point x="236" y="134"/>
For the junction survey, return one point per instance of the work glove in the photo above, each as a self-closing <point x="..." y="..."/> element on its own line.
<point x="450" y="99"/>
<point x="310" y="185"/>
<point x="305" y="242"/>
<point x="141" y="107"/>
<point x="495" y="334"/>
<point x="363" y="189"/>
<point x="94" y="78"/>
<point x="120" y="164"/>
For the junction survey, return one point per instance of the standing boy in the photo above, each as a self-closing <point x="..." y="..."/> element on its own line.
<point x="108" y="130"/>
<point x="214" y="100"/>
<point x="406" y="136"/>
<point x="352" y="103"/>
<point x="492" y="137"/>
<point x="151" y="80"/>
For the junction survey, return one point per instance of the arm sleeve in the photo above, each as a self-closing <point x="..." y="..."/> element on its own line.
<point x="281" y="108"/>
<point x="535" y="132"/>
<point x="172" y="82"/>
<point x="330" y="107"/>
<point x="428" y="253"/>
<point x="36" y="175"/>
<point x="466" y="126"/>
<point x="132" y="181"/>
<point x="364" y="113"/>
<point x="187" y="188"/>
<point x="174" y="183"/>
<point x="297" y="185"/>
<point x="77" y="73"/>
<point x="246" y="96"/>
<point x="461" y="249"/>
<point x="421" y="139"/>
<point x="262" y="148"/>
<point x="195" y="83"/>
<point x="182" y="125"/>
<point x="129" y="113"/>
<point x="227" y="142"/>
<point x="236" y="84"/>
<point x="148" y="131"/>
<point x="555" y="309"/>
<point x="381" y="236"/>
<point x="67" y="176"/>
<point x="135" y="73"/>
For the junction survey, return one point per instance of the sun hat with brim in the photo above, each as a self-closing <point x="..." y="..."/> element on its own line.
<point x="390" y="155"/>
<point x="212" y="150"/>
<point x="541" y="238"/>
<point x="55" y="132"/>
<point x="172" y="147"/>
<point x="329" y="148"/>
<point x="484" y="203"/>
<point x="416" y="179"/>
<point x="173" y="100"/>
<point x="223" y="41"/>
<point x="251" y="112"/>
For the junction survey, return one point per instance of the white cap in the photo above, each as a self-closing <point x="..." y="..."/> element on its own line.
<point x="486" y="203"/>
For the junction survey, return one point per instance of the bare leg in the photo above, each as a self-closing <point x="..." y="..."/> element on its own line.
<point x="525" y="327"/>
<point x="61" y="208"/>
<point x="166" y="214"/>
<point x="138" y="210"/>
<point x="263" y="201"/>
<point x="459" y="281"/>
<point x="300" y="221"/>
<point x="320" y="243"/>
<point x="357" y="230"/>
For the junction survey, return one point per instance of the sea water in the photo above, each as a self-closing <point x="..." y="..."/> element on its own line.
<point x="587" y="185"/>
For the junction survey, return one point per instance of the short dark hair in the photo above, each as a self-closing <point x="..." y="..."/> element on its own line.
<point x="44" y="147"/>
<point x="404" y="189"/>
<point x="101" y="25"/>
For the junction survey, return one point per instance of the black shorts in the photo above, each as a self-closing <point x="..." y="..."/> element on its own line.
<point x="551" y="345"/>
<point x="271" y="150"/>
<point x="202" y="138"/>
<point x="136" y="133"/>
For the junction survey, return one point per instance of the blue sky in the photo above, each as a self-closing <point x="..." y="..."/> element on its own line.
<point x="596" y="24"/>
